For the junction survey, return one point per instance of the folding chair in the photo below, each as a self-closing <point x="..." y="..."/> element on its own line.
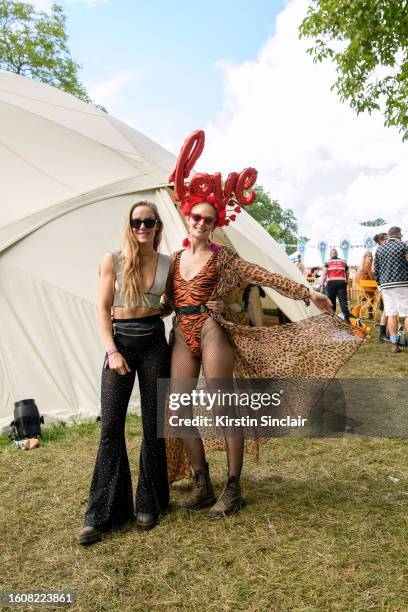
<point x="368" y="298"/>
<point x="353" y="290"/>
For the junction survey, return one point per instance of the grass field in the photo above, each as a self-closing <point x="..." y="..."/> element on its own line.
<point x="325" y="528"/>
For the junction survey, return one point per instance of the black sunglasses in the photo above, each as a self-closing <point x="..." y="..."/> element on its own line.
<point x="148" y="223"/>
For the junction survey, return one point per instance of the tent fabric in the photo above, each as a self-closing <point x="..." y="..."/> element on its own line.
<point x="68" y="175"/>
<point x="62" y="147"/>
<point x="6" y="396"/>
<point x="48" y="307"/>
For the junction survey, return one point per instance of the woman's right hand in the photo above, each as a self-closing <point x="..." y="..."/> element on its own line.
<point x="321" y="301"/>
<point x="118" y="362"/>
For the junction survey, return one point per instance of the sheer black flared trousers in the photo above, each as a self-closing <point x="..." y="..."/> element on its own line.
<point x="111" y="498"/>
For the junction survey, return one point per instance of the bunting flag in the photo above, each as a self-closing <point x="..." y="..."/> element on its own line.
<point x="301" y="247"/>
<point x="369" y="243"/>
<point x="345" y="247"/>
<point x="322" y="246"/>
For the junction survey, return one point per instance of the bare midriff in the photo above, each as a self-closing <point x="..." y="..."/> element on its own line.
<point x="120" y="312"/>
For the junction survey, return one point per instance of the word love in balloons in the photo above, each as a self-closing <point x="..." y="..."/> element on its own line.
<point x="204" y="185"/>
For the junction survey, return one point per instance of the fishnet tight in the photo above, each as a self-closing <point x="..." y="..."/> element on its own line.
<point x="217" y="361"/>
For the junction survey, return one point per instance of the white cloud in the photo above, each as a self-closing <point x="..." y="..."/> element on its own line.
<point x="90" y="3"/>
<point x="42" y="5"/>
<point x="45" y="5"/>
<point x="103" y="92"/>
<point x="313" y="153"/>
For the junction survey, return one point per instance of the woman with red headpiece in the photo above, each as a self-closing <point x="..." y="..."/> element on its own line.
<point x="202" y="273"/>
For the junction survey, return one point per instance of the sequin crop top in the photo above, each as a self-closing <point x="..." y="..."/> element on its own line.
<point x="153" y="296"/>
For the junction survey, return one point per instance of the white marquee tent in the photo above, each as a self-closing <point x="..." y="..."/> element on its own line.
<point x="68" y="174"/>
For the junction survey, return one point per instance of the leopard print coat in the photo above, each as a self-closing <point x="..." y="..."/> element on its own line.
<point x="314" y="348"/>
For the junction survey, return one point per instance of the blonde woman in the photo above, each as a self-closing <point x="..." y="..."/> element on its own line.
<point x="365" y="269"/>
<point x="365" y="273"/>
<point x="132" y="282"/>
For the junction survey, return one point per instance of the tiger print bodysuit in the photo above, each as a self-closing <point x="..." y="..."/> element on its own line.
<point x="194" y="292"/>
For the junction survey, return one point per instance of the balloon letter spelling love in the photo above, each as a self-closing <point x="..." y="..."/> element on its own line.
<point x="190" y="152"/>
<point x="205" y="184"/>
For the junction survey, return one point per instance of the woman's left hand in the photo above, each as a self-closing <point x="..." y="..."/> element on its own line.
<point x="321" y="301"/>
<point x="216" y="306"/>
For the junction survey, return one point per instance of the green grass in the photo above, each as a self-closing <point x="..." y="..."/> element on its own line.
<point x="324" y="527"/>
<point x="375" y="360"/>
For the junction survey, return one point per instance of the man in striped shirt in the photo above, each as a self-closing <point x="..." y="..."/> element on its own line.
<point x="391" y="273"/>
<point x="335" y="274"/>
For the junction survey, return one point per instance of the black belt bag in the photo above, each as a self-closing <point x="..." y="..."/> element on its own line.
<point x="135" y="334"/>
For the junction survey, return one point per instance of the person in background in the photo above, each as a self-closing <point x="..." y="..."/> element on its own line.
<point x="391" y="273"/>
<point x="335" y="274"/>
<point x="365" y="273"/>
<point x="381" y="239"/>
<point x="252" y="303"/>
<point x="316" y="278"/>
<point x="299" y="263"/>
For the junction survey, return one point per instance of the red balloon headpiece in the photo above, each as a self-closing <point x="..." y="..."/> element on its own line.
<point x="209" y="187"/>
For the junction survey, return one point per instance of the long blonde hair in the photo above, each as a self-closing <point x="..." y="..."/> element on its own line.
<point x="364" y="266"/>
<point x="132" y="288"/>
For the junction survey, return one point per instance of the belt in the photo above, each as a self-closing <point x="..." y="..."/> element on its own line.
<point x="191" y="309"/>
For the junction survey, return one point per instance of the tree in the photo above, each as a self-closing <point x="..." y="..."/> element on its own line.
<point x="368" y="41"/>
<point x="373" y="222"/>
<point x="279" y="222"/>
<point x="35" y="44"/>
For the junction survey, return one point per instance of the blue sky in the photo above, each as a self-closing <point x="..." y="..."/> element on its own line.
<point x="165" y="56"/>
<point x="238" y="70"/>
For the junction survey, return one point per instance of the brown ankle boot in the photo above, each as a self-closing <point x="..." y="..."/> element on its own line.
<point x="229" y="501"/>
<point x="203" y="493"/>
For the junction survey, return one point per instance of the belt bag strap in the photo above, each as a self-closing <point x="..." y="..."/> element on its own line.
<point x="133" y="331"/>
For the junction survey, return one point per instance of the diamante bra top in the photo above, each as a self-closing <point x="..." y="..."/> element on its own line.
<point x="152" y="297"/>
